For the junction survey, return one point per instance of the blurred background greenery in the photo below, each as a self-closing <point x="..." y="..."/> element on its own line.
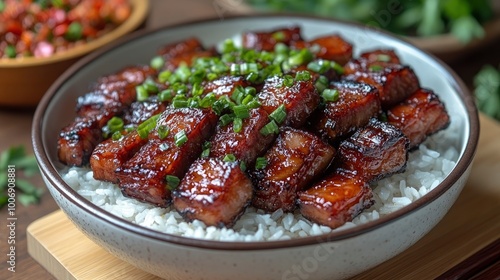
<point x="463" y="19"/>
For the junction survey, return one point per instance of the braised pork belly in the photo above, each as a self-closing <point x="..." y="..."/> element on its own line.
<point x="284" y="121"/>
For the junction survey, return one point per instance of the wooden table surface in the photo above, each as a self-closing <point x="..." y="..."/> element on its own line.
<point x="15" y="125"/>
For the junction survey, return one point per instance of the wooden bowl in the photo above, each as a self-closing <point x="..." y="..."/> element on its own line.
<point x="24" y="81"/>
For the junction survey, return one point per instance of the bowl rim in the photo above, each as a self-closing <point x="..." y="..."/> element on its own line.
<point x="51" y="174"/>
<point x="139" y="12"/>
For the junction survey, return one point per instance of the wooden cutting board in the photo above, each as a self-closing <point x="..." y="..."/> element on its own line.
<point x="472" y="223"/>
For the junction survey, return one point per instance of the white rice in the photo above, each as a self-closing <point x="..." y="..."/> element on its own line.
<point x="426" y="168"/>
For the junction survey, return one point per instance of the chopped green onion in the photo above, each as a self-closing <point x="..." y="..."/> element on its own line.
<point x="234" y="69"/>
<point x="206" y="149"/>
<point x="279" y="36"/>
<point x="10" y="51"/>
<point x="115" y="124"/>
<point x="180" y="138"/>
<point x="302" y="57"/>
<point x="287" y="80"/>
<point x="238" y="94"/>
<point x="319" y="66"/>
<point x="163" y="147"/>
<point x="141" y="93"/>
<point x="163" y="131"/>
<point x="237" y="125"/>
<point x="117" y="135"/>
<point x="172" y="182"/>
<point x="150" y="86"/>
<point x="253" y="104"/>
<point x="269" y="128"/>
<point x="229" y="158"/>
<point x="144" y="128"/>
<point x="330" y="95"/>
<point x="243" y="166"/>
<point x="226" y="119"/>
<point x="279" y="115"/>
<point x="164" y="76"/>
<point x="197" y="89"/>
<point x="303" y="76"/>
<point x="208" y="100"/>
<point x="220" y="106"/>
<point x="250" y="91"/>
<point x="197" y="76"/>
<point x="212" y="76"/>
<point x="281" y="48"/>
<point x="383" y="57"/>
<point x="228" y="46"/>
<point x="157" y="62"/>
<point x="183" y="72"/>
<point x="321" y="83"/>
<point x="260" y="163"/>
<point x="249" y="55"/>
<point x="247" y="99"/>
<point x="74" y="31"/>
<point x="337" y="67"/>
<point x="194" y="102"/>
<point x="247" y="68"/>
<point x="375" y="68"/>
<point x="180" y="101"/>
<point x="241" y="111"/>
<point x="165" y="95"/>
<point x="252" y="77"/>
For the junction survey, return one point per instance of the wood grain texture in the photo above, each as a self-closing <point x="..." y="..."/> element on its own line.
<point x="472" y="223"/>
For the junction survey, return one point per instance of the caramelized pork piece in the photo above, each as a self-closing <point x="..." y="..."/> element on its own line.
<point x="224" y="85"/>
<point x="139" y="111"/>
<point x="393" y="81"/>
<point x="245" y="145"/>
<point x="419" y="116"/>
<point x="332" y="47"/>
<point x="374" y="151"/>
<point x="184" y="52"/>
<point x="143" y="176"/>
<point x="381" y="55"/>
<point x="110" y="154"/>
<point x="300" y="99"/>
<point x="110" y="97"/>
<point x="335" y="200"/>
<point x="294" y="160"/>
<point x="265" y="41"/>
<point x="77" y="141"/>
<point x="213" y="191"/>
<point x="356" y="105"/>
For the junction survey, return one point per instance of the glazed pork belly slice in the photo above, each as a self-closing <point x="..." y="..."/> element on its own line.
<point x="110" y="154"/>
<point x="109" y="97"/>
<point x="224" y="85"/>
<point x="143" y="176"/>
<point x="394" y="82"/>
<point x="331" y="47"/>
<point x="336" y="199"/>
<point x="419" y="116"/>
<point x="300" y="99"/>
<point x="245" y="145"/>
<point x="213" y="191"/>
<point x="374" y="151"/>
<point x="140" y="111"/>
<point x="356" y="105"/>
<point x="295" y="159"/>
<point x="379" y="57"/>
<point x="267" y="40"/>
<point x="185" y="51"/>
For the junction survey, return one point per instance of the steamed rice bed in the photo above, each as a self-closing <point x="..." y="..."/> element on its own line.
<point x="426" y="168"/>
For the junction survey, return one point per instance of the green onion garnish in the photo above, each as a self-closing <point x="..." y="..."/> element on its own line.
<point x="243" y="166"/>
<point x="115" y="124"/>
<point x="241" y="111"/>
<point x="281" y="48"/>
<point x="180" y="101"/>
<point x="303" y="76"/>
<point x="321" y="83"/>
<point x="164" y="76"/>
<point x="229" y="158"/>
<point x="279" y="115"/>
<point x="375" y="68"/>
<point x="330" y="95"/>
<point x="208" y="100"/>
<point x="319" y="66"/>
<point x="237" y="125"/>
<point x="226" y="119"/>
<point x="206" y="149"/>
<point x="150" y="86"/>
<point x="337" y="67"/>
<point x="163" y="131"/>
<point x="165" y="95"/>
<point x="269" y="128"/>
<point x="141" y="93"/>
<point x="157" y="62"/>
<point x="180" y="138"/>
<point x="383" y="57"/>
<point x="260" y="163"/>
<point x="117" y="135"/>
<point x="10" y="51"/>
<point x="144" y="128"/>
<point x="234" y="69"/>
<point x="74" y="31"/>
<point x="183" y="72"/>
<point x="279" y="36"/>
<point x="172" y="182"/>
<point x="288" y="81"/>
<point x="302" y="57"/>
<point x="228" y="46"/>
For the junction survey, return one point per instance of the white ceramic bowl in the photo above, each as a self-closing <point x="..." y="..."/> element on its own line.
<point x="339" y="254"/>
